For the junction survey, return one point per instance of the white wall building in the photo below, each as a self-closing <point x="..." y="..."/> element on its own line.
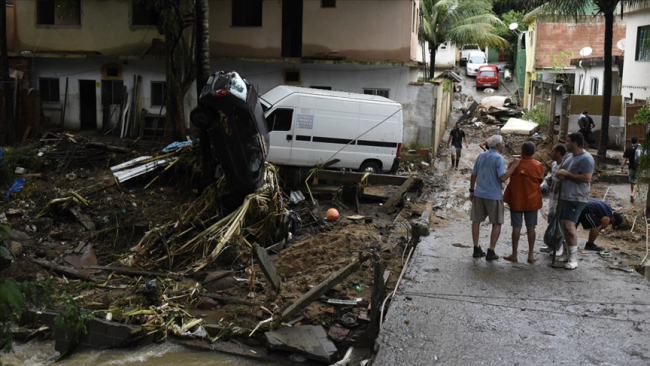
<point x="636" y="69"/>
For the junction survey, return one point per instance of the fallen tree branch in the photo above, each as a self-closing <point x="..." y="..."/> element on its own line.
<point x="112" y="148"/>
<point x="225" y="298"/>
<point x="70" y="272"/>
<point x="136" y="272"/>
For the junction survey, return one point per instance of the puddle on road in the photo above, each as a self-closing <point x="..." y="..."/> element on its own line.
<point x="166" y="354"/>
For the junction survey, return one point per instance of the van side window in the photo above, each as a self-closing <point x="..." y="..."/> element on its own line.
<point x="280" y="120"/>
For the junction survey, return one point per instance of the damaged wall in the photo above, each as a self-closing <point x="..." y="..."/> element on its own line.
<point x="594" y="104"/>
<point x="426" y="114"/>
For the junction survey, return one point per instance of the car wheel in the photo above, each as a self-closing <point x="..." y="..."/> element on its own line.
<point x="370" y="167"/>
<point x="201" y="117"/>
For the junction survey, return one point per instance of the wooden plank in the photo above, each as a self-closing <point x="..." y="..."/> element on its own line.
<point x="331" y="281"/>
<point x="381" y="193"/>
<point x="67" y="271"/>
<point x="136" y="272"/>
<point x="268" y="269"/>
<point x="225" y="298"/>
<point x="389" y="206"/>
<point x="26" y="134"/>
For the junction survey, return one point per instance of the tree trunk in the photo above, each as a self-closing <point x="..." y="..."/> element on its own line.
<point x="202" y="57"/>
<point x="8" y="104"/>
<point x="607" y="84"/>
<point x="432" y="63"/>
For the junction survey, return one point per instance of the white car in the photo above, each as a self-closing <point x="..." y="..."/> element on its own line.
<point x="474" y="61"/>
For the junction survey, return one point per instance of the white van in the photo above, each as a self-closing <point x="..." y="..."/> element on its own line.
<point x="310" y="127"/>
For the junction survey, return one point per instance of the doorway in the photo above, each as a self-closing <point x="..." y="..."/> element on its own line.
<point x="87" y="104"/>
<point x="292" y="28"/>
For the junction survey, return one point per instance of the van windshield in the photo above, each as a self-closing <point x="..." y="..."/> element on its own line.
<point x="477" y="60"/>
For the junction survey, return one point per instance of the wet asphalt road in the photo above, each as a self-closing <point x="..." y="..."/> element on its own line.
<point x="452" y="309"/>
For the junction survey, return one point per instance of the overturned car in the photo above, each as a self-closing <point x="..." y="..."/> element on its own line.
<point x="230" y="111"/>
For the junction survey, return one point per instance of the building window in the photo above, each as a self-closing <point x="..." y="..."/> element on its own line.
<point x="594" y="86"/>
<point x="112" y="71"/>
<point x="142" y="15"/>
<point x="113" y="91"/>
<point x="280" y="120"/>
<point x="328" y="3"/>
<point x="158" y="90"/>
<point x="579" y="86"/>
<point x="58" y="12"/>
<point x="246" y="13"/>
<point x="49" y="88"/>
<point x="380" y="92"/>
<point x="643" y="43"/>
<point x="291" y="77"/>
<point x="321" y="87"/>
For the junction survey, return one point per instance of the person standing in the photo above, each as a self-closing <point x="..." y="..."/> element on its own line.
<point x="486" y="195"/>
<point x="595" y="217"/>
<point x="551" y="186"/>
<point x="586" y="123"/>
<point x="632" y="154"/>
<point x="524" y="198"/>
<point x="575" y="173"/>
<point x="456" y="137"/>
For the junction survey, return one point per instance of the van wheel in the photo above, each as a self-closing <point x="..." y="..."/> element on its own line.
<point x="370" y="167"/>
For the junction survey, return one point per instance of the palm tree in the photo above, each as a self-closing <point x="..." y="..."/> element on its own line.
<point x="607" y="9"/>
<point x="458" y="22"/>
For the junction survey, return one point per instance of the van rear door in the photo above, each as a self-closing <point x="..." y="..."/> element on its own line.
<point x="280" y="122"/>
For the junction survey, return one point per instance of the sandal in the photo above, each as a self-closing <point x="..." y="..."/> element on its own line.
<point x="510" y="258"/>
<point x="531" y="261"/>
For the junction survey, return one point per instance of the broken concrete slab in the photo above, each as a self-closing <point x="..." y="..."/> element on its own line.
<point x="84" y="220"/>
<point x="308" y="340"/>
<point x="519" y="127"/>
<point x="331" y="281"/>
<point x="268" y="269"/>
<point x="389" y="206"/>
<point x="495" y="101"/>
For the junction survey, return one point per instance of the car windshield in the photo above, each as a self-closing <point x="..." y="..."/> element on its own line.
<point x="487" y="74"/>
<point x="477" y="60"/>
<point x="471" y="47"/>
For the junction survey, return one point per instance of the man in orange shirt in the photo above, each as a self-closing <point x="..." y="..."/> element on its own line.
<point x="524" y="197"/>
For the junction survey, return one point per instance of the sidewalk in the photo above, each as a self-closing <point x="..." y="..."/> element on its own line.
<point x="453" y="309"/>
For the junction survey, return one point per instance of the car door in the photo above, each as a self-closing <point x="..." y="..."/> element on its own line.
<point x="280" y="122"/>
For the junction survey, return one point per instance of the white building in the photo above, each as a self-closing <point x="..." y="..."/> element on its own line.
<point x="636" y="69"/>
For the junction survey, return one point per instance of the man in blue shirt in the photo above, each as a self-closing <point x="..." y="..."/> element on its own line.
<point x="486" y="193"/>
<point x="595" y="217"/>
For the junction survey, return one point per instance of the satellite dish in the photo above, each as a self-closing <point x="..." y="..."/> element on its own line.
<point x="586" y="51"/>
<point x="621" y="44"/>
<point x="513" y="26"/>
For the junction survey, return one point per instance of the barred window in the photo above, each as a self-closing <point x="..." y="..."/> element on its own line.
<point x="643" y="43"/>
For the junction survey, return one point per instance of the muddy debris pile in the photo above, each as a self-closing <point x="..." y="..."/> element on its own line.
<point x="144" y="249"/>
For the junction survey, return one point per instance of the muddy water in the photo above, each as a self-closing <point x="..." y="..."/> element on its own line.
<point x="38" y="353"/>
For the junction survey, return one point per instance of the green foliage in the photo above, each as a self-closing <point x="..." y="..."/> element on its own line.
<point x="70" y="315"/>
<point x="642" y="117"/>
<point x="11" y="305"/>
<point x="446" y="85"/>
<point x="559" y="63"/>
<point x="538" y="114"/>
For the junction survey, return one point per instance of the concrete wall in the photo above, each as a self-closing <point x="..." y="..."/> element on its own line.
<point x="426" y="115"/>
<point x="594" y="104"/>
<point x="105" y="27"/>
<point x="636" y="78"/>
<point x="263" y="75"/>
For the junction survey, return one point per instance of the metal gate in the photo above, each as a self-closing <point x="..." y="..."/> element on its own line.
<point x="638" y="130"/>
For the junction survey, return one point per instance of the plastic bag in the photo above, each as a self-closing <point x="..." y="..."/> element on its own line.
<point x="554" y="234"/>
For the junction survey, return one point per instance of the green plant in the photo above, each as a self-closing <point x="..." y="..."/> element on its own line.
<point x="446" y="85"/>
<point x="642" y="117"/>
<point x="559" y="63"/>
<point x="11" y="305"/>
<point x="538" y="114"/>
<point x="70" y="316"/>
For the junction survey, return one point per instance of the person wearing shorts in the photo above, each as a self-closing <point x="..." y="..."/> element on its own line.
<point x="575" y="173"/>
<point x="486" y="195"/>
<point x="595" y="217"/>
<point x="524" y="198"/>
<point x="456" y="137"/>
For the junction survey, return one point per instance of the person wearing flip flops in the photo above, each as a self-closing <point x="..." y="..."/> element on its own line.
<point x="524" y="198"/>
<point x="575" y="173"/>
<point x="486" y="195"/>
<point x="595" y="217"/>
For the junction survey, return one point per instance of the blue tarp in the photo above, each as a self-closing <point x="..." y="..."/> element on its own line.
<point x="176" y="146"/>
<point x="16" y="187"/>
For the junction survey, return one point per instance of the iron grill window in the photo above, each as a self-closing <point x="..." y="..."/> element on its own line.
<point x="643" y="43"/>
<point x="594" y="86"/>
<point x="328" y="4"/>
<point x="380" y="92"/>
<point x="45" y="12"/>
<point x="58" y="12"/>
<point x="142" y="15"/>
<point x="49" y="88"/>
<point x="246" y="13"/>
<point x="158" y="90"/>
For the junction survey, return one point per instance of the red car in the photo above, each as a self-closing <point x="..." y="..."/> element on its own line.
<point x="487" y="77"/>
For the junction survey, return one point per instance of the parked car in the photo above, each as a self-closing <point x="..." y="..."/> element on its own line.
<point x="230" y="111"/>
<point x="466" y="50"/>
<point x="474" y="61"/>
<point x="487" y="77"/>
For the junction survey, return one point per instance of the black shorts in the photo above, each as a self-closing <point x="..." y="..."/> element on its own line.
<point x="589" y="221"/>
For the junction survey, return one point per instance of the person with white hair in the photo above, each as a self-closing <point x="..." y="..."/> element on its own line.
<point x="486" y="193"/>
